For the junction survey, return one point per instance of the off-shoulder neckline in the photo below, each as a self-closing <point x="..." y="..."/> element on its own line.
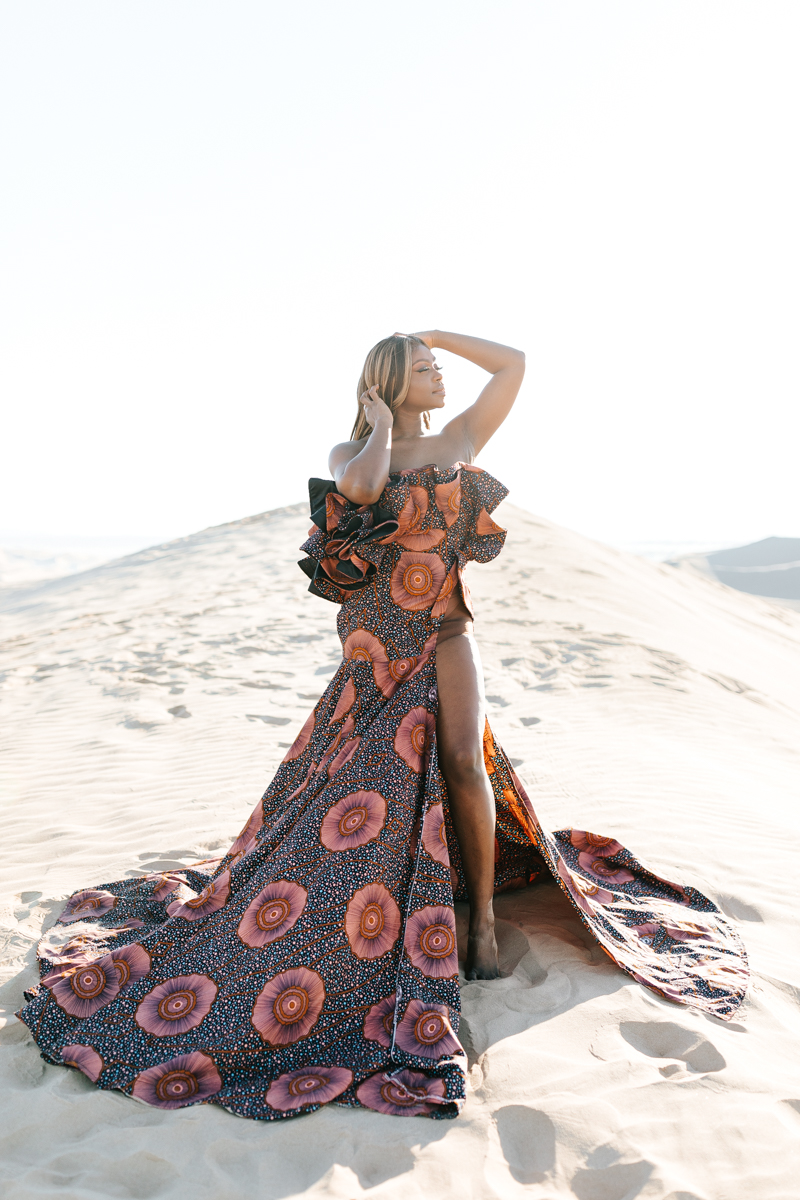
<point x="433" y="467"/>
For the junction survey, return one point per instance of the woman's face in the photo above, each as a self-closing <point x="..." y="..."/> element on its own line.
<point x="426" y="390"/>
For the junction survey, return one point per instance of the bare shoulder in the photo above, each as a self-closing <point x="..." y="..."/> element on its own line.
<point x="341" y="454"/>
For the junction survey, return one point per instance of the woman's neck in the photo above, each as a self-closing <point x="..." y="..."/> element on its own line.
<point x="407" y="427"/>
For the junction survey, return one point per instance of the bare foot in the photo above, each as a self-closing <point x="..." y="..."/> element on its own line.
<point x="482" y="954"/>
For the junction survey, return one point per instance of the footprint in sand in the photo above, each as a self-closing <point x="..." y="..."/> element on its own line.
<point x="666" y="1039"/>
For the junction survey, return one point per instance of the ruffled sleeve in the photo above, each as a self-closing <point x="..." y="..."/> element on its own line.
<point x="481" y="493"/>
<point x="344" y="544"/>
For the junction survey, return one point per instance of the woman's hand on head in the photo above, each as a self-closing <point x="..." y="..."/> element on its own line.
<point x="375" y="410"/>
<point x="427" y="336"/>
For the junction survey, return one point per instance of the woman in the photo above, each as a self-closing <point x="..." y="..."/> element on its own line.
<point x="317" y="960"/>
<point x="399" y="441"/>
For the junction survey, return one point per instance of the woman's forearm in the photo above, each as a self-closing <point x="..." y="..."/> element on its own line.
<point x="364" y="477"/>
<point x="491" y="356"/>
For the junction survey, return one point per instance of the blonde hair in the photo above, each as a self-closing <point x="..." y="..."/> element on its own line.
<point x="387" y="366"/>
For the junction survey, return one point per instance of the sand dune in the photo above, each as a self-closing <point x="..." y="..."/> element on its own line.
<point x="145" y="705"/>
<point x="769" y="568"/>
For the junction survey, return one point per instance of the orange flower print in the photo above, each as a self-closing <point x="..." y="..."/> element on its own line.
<point x="403" y="1094"/>
<point x="301" y="741"/>
<point x="177" y="1005"/>
<point x="448" y="499"/>
<point x="345" y="701"/>
<point x="353" y="821"/>
<point x="335" y="505"/>
<point x="188" y="1079"/>
<point x="434" y="835"/>
<point x="413" y="737"/>
<point x="276" y="909"/>
<point x="362" y="646"/>
<point x="342" y="757"/>
<point x="85" y="1059"/>
<point x="93" y="902"/>
<point x="288" y="1006"/>
<point x="417" y="580"/>
<point x="254" y="823"/>
<point x="413" y="513"/>
<point x="372" y="921"/>
<point x="594" y="843"/>
<point x="443" y="599"/>
<point x="484" y="526"/>
<point x="210" y="900"/>
<point x="308" y="1085"/>
<point x="430" y="941"/>
<point x="379" y="1021"/>
<point x="425" y="1030"/>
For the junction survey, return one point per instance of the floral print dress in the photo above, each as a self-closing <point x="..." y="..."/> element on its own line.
<point x="317" y="960"/>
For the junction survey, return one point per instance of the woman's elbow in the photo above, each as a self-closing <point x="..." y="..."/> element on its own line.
<point x="356" y="493"/>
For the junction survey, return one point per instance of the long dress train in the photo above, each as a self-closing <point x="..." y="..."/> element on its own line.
<point x="317" y="960"/>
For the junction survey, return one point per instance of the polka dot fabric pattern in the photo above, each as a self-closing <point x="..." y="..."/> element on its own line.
<point x="316" y="962"/>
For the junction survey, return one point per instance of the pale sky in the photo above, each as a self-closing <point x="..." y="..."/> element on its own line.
<point x="211" y="210"/>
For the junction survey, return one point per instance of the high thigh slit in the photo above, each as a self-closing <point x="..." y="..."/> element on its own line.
<point x="316" y="961"/>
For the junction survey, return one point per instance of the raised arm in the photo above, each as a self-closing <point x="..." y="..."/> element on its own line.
<point x="361" y="474"/>
<point x="507" y="368"/>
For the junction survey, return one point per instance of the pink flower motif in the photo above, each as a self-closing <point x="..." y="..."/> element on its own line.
<point x="301" y="741"/>
<point x="209" y="901"/>
<point x="89" y="903"/>
<point x="362" y="646"/>
<point x="177" y="1005"/>
<point x="335" y="506"/>
<point x="254" y="823"/>
<point x="448" y="587"/>
<point x="434" y="835"/>
<point x="372" y="921"/>
<point x="426" y="1030"/>
<point x="75" y="952"/>
<point x="275" y="910"/>
<point x="596" y="865"/>
<point x="343" y="756"/>
<point x="288" y="1007"/>
<point x="405" y="1094"/>
<point x="353" y="821"/>
<point x="583" y="890"/>
<point x="312" y="766"/>
<point x="647" y="931"/>
<point x="484" y="526"/>
<point x="131" y="964"/>
<point x="417" y="580"/>
<point x="686" y="931"/>
<point x="308" y="1085"/>
<point x="187" y="1079"/>
<point x="244" y="852"/>
<point x="134" y="923"/>
<point x="414" y="736"/>
<point x="594" y="843"/>
<point x="427" y="651"/>
<point x="345" y="701"/>
<point x="448" y="499"/>
<point x="430" y="941"/>
<point x="88" y="988"/>
<point x="379" y="1021"/>
<point x="85" y="1059"/>
<point x="167" y="883"/>
<point x="408" y="532"/>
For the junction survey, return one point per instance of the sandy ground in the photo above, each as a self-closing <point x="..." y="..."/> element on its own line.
<point x="146" y="704"/>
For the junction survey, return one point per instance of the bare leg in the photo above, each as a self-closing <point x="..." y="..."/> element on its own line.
<point x="459" y="729"/>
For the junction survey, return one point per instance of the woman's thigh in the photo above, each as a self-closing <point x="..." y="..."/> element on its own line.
<point x="462" y="705"/>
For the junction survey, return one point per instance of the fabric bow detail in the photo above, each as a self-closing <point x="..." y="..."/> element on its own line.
<point x="344" y="546"/>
